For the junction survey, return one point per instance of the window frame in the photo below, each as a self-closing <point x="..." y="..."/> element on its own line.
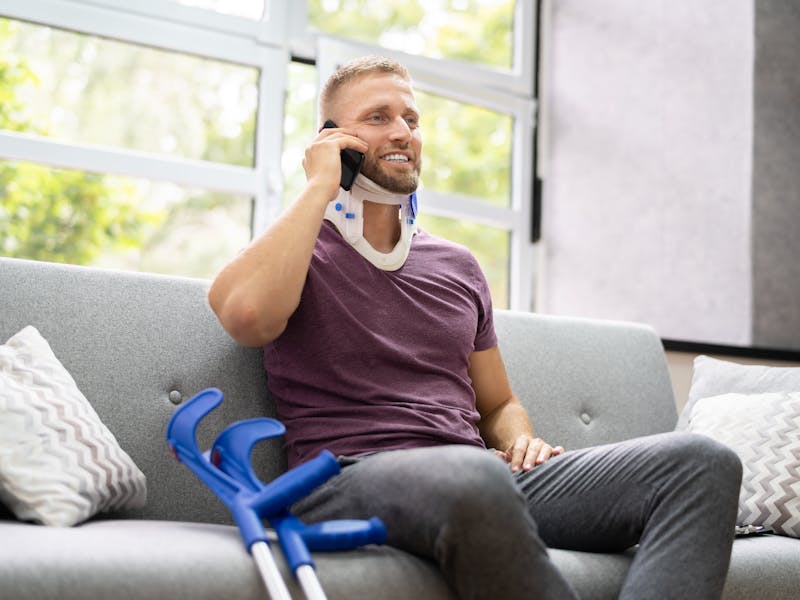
<point x="269" y="44"/>
<point x="193" y="31"/>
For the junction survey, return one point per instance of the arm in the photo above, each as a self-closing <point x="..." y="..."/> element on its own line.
<point x="256" y="293"/>
<point x="504" y="422"/>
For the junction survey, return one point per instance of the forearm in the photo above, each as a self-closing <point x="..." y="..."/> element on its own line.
<point x="503" y="426"/>
<point x="257" y="292"/>
<point x="508" y="430"/>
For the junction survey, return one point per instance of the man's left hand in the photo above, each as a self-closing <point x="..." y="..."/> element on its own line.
<point x="527" y="452"/>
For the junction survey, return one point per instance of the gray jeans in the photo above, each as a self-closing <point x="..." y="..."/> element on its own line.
<point x="674" y="494"/>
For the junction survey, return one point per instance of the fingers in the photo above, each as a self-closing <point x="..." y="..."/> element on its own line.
<point x="344" y="138"/>
<point x="526" y="453"/>
<point x="321" y="161"/>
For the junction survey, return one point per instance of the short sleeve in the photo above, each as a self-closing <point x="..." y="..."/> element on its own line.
<point x="485" y="336"/>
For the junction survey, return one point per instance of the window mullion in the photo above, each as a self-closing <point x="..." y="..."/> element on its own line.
<point x="100" y="159"/>
<point x="522" y="268"/>
<point x="152" y="31"/>
<point x="269" y="140"/>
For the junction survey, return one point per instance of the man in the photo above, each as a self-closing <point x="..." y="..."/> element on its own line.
<point x="379" y="345"/>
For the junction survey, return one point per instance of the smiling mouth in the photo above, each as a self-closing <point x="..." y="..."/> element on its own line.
<point x="395" y="158"/>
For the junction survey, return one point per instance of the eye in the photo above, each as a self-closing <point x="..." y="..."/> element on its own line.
<point x="412" y="120"/>
<point x="376" y="118"/>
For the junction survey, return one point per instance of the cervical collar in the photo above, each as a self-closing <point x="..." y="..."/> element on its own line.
<point x="346" y="212"/>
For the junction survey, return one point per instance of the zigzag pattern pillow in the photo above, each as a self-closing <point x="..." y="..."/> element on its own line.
<point x="764" y="430"/>
<point x="59" y="464"/>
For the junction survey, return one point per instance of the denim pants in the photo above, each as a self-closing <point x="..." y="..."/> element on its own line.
<point x="673" y="494"/>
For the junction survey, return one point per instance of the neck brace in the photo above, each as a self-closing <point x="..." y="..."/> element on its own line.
<point x="346" y="212"/>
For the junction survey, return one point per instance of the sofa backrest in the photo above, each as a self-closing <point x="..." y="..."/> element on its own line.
<point x="587" y="382"/>
<point x="135" y="343"/>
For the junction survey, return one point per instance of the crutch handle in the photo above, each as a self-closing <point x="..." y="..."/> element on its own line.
<point x="344" y="535"/>
<point x="298" y="539"/>
<point x="232" y="448"/>
<point x="181" y="438"/>
<point x="278" y="495"/>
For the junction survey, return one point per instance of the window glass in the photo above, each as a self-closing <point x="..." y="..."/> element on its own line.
<point x="299" y="124"/>
<point x="89" y="219"/>
<point x="466" y="149"/>
<point x="250" y="9"/>
<point x="81" y="88"/>
<point x="476" y="31"/>
<point x="489" y="245"/>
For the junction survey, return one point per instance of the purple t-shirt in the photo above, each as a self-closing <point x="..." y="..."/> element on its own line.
<point x="376" y="360"/>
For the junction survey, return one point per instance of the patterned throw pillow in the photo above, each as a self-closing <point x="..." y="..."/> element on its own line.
<point x="59" y="464"/>
<point x="712" y="377"/>
<point x="764" y="430"/>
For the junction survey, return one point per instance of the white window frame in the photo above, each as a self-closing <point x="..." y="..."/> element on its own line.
<point x="170" y="26"/>
<point x="268" y="45"/>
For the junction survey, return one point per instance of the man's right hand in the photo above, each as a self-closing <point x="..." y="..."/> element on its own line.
<point x="322" y="162"/>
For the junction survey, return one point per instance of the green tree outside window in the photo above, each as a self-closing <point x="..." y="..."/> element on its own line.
<point x="62" y="216"/>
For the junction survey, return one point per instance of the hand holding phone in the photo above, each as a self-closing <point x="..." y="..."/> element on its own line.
<point x="351" y="162"/>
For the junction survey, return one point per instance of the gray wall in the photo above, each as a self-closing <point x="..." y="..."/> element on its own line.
<point x="647" y="155"/>
<point x="776" y="175"/>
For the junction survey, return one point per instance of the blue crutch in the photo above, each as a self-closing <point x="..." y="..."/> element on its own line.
<point x="227" y="470"/>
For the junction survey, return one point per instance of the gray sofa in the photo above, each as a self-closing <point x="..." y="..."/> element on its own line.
<point x="138" y="345"/>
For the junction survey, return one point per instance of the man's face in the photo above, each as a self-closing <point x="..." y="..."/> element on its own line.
<point x="382" y="111"/>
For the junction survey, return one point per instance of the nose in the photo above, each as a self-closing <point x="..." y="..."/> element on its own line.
<point x="400" y="130"/>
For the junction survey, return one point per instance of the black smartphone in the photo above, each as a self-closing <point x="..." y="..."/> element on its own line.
<point x="351" y="162"/>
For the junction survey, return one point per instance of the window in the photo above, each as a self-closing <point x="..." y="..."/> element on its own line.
<point x="161" y="135"/>
<point x="433" y="28"/>
<point x="118" y="222"/>
<point x="471" y="146"/>
<point x="119" y="151"/>
<point x="298" y="126"/>
<point x="87" y="89"/>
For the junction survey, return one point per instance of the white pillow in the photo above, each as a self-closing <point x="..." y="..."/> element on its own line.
<point x="713" y="377"/>
<point x="59" y="464"/>
<point x="764" y="430"/>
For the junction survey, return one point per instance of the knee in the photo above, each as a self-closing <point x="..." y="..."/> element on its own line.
<point x="715" y="462"/>
<point x="479" y="484"/>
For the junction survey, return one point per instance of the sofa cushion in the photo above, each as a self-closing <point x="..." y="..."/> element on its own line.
<point x="763" y="567"/>
<point x="593" y="575"/>
<point x="134" y="559"/>
<point x="59" y="464"/>
<point x="764" y="430"/>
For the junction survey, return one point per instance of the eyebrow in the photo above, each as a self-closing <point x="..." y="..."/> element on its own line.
<point x="384" y="108"/>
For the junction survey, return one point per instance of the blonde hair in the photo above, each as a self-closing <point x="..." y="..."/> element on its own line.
<point x="355" y="69"/>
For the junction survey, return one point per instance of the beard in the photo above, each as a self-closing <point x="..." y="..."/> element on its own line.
<point x="400" y="183"/>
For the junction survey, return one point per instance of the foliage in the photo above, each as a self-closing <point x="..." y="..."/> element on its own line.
<point x="470" y="30"/>
<point x="63" y="216"/>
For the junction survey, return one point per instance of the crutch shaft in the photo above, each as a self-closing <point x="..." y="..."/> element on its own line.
<point x="268" y="569"/>
<point x="309" y="582"/>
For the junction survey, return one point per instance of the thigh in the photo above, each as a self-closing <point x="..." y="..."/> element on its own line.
<point x="599" y="499"/>
<point x="415" y="491"/>
<point x="457" y="505"/>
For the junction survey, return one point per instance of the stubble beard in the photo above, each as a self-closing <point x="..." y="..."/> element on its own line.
<point x="404" y="183"/>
